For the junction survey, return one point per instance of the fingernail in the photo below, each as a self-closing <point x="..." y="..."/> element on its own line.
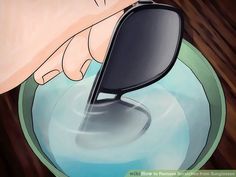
<point x="47" y="77"/>
<point x="85" y="66"/>
<point x="80" y="76"/>
<point x="38" y="79"/>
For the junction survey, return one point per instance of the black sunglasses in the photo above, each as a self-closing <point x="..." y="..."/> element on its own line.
<point x="143" y="49"/>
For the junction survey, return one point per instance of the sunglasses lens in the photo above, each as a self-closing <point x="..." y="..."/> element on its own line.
<point x="143" y="49"/>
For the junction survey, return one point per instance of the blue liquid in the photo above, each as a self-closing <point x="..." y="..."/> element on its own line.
<point x="171" y="142"/>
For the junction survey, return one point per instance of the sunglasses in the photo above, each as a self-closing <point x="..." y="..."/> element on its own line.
<point x="143" y="49"/>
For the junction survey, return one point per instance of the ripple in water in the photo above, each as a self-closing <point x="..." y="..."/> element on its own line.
<point x="171" y="142"/>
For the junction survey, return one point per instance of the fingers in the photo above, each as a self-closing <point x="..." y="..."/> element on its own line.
<point x="77" y="56"/>
<point x="100" y="36"/>
<point x="52" y="67"/>
<point x="73" y="58"/>
<point x="91" y="43"/>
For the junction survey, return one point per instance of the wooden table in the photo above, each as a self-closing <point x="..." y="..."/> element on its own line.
<point x="209" y="25"/>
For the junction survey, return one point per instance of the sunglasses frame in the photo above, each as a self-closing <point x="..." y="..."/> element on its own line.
<point x="96" y="89"/>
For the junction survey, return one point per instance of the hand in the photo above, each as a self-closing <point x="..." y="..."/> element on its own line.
<point x="49" y="37"/>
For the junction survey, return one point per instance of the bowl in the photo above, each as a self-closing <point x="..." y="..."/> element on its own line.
<point x="188" y="55"/>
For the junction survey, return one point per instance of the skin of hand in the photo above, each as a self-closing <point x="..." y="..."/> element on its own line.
<point x="49" y="37"/>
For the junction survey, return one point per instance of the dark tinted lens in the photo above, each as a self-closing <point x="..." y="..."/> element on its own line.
<point x="143" y="49"/>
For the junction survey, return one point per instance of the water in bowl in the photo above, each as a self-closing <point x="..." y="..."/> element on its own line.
<point x="178" y="107"/>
